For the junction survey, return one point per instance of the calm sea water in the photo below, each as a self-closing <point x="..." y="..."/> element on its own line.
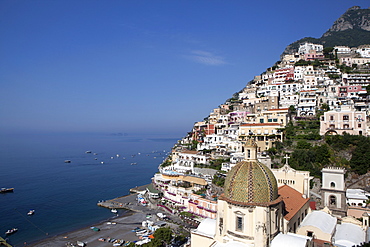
<point x="64" y="195"/>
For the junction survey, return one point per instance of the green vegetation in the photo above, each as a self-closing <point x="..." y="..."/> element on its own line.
<point x="218" y="180"/>
<point x="308" y="151"/>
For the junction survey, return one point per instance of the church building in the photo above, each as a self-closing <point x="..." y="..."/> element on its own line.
<point x="250" y="211"/>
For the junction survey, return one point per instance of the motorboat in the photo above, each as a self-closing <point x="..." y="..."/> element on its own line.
<point x="31" y="212"/>
<point x="11" y="231"/>
<point x="67" y="161"/>
<point x="113" y="210"/>
<point x="6" y="190"/>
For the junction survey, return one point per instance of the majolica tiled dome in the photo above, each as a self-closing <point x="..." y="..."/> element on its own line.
<point x="250" y="183"/>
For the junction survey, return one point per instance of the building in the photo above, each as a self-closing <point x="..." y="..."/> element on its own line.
<point x="333" y="190"/>
<point x="298" y="180"/>
<point x="344" y="119"/>
<point x="249" y="212"/>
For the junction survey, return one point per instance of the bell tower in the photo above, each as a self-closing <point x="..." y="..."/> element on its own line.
<point x="333" y="190"/>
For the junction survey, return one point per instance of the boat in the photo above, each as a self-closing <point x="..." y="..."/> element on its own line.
<point x="95" y="229"/>
<point x="67" y="161"/>
<point x="11" y="231"/>
<point x="31" y="212"/>
<point x="6" y="190"/>
<point x="88" y="152"/>
<point x="113" y="210"/>
<point x="133" y="163"/>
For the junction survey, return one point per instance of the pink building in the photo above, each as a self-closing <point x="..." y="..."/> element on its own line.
<point x="350" y="91"/>
<point x="313" y="56"/>
<point x="343" y="120"/>
<point x="202" y="207"/>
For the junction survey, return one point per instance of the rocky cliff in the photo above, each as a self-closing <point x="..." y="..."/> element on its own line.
<point x="351" y="29"/>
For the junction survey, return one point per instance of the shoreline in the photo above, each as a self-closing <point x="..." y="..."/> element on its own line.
<point x="120" y="230"/>
<point x="133" y="212"/>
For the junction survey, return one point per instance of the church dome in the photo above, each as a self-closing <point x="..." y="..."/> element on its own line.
<point x="250" y="183"/>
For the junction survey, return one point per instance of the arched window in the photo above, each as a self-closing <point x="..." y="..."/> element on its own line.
<point x="332" y="201"/>
<point x="332" y="185"/>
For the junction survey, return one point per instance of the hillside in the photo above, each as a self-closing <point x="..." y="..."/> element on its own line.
<point x="351" y="29"/>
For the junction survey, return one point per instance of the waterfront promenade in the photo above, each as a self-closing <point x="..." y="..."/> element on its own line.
<point x="118" y="227"/>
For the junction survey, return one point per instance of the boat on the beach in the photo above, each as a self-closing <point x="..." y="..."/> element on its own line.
<point x="6" y="190"/>
<point x="31" y="212"/>
<point x="95" y="229"/>
<point x="113" y="210"/>
<point x="11" y="231"/>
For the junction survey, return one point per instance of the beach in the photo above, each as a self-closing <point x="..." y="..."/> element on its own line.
<point x="118" y="227"/>
<point x="121" y="229"/>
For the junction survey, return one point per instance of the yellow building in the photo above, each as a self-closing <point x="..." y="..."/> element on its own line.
<point x="265" y="134"/>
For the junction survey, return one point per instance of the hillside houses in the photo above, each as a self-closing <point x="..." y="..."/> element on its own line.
<point x="298" y="85"/>
<point x="305" y="85"/>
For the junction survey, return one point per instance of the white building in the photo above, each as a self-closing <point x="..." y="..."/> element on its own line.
<point x="309" y="48"/>
<point x="357" y="197"/>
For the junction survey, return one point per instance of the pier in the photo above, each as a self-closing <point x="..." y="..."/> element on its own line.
<point x="4" y="243"/>
<point x="124" y="202"/>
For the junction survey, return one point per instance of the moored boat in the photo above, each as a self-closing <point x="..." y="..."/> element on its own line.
<point x="113" y="210"/>
<point x="31" y="212"/>
<point x="6" y="190"/>
<point x="11" y="231"/>
<point x="67" y="161"/>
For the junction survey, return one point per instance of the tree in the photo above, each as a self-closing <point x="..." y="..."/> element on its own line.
<point x="164" y="235"/>
<point x="291" y="111"/>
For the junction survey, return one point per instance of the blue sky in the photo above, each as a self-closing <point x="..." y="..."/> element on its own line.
<point x="140" y="66"/>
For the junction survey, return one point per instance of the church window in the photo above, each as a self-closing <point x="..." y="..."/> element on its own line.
<point x="249" y="153"/>
<point x="332" y="185"/>
<point x="239" y="223"/>
<point x="332" y="201"/>
<point x="309" y="234"/>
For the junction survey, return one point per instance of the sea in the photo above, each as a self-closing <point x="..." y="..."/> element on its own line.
<point x="65" y="195"/>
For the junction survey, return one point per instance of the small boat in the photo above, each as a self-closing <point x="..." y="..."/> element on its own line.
<point x="88" y="152"/>
<point x="6" y="190"/>
<point x="102" y="162"/>
<point x="31" y="212"/>
<point x="95" y="229"/>
<point x="11" y="231"/>
<point x="67" y="161"/>
<point x="133" y="163"/>
<point x="113" y="210"/>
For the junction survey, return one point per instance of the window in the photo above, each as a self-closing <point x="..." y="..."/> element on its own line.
<point x="249" y="153"/>
<point x="309" y="234"/>
<point x="331" y="117"/>
<point x="239" y="223"/>
<point x="359" y="125"/>
<point x="332" y="185"/>
<point x="332" y="201"/>
<point x="345" y="117"/>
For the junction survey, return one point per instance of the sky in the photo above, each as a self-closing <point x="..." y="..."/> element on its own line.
<point x="147" y="66"/>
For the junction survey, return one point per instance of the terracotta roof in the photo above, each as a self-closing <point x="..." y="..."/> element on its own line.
<point x="293" y="200"/>
<point x="194" y="180"/>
